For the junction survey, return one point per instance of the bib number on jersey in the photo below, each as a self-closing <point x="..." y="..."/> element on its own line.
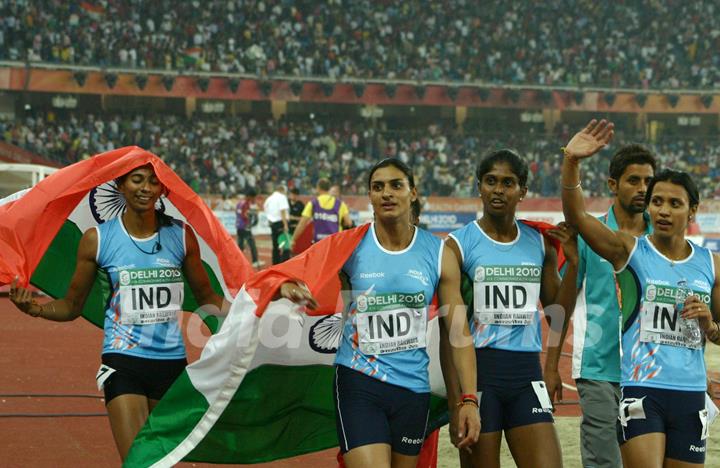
<point x="660" y="320"/>
<point x="150" y="295"/>
<point x="660" y="323"/>
<point x="392" y="322"/>
<point x="506" y="295"/>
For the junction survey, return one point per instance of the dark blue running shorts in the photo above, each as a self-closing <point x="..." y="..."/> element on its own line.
<point x="373" y="412"/>
<point x="511" y="390"/>
<point x="680" y="415"/>
<point x="121" y="374"/>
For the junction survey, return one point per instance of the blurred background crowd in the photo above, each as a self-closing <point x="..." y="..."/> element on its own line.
<point x="633" y="43"/>
<point x="228" y="155"/>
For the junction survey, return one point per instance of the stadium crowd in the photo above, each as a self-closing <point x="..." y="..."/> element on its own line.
<point x="635" y="43"/>
<point x="230" y="154"/>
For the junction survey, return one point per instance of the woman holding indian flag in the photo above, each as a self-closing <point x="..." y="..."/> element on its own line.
<point x="146" y="256"/>
<point x="382" y="388"/>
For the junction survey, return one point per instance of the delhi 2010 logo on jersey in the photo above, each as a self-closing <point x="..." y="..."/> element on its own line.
<point x="124" y="278"/>
<point x="362" y="304"/>
<point x="651" y="293"/>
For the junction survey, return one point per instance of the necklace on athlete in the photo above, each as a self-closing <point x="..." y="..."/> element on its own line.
<point x="673" y="261"/>
<point x="157" y="247"/>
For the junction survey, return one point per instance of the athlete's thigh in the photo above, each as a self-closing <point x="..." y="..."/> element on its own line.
<point x="670" y="463"/>
<point x="400" y="460"/>
<point x="644" y="451"/>
<point x="152" y="404"/>
<point x="371" y="455"/>
<point x="408" y="420"/>
<point x="466" y="458"/>
<point x="361" y="413"/>
<point x="642" y="426"/>
<point x="535" y="445"/>
<point x="687" y="431"/>
<point x="485" y="452"/>
<point x="127" y="414"/>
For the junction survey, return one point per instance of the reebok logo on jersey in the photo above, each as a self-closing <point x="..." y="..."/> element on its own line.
<point x="697" y="449"/>
<point x="541" y="410"/>
<point x="372" y="275"/>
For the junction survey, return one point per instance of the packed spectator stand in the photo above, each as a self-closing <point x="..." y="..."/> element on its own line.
<point x="632" y="44"/>
<point x="225" y="155"/>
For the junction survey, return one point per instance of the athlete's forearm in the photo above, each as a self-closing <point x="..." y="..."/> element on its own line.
<point x="452" y="384"/>
<point x="457" y="350"/>
<point x="300" y="228"/>
<point x="284" y="216"/>
<point x="59" y="310"/>
<point x="713" y="332"/>
<point x="560" y="318"/>
<point x="216" y="305"/>
<point x="466" y="366"/>
<point x="552" y="358"/>
<point x="573" y="202"/>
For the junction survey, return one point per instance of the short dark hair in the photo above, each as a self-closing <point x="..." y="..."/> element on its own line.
<point x="295" y="191"/>
<point x="516" y="163"/>
<point x="677" y="178"/>
<point x="630" y="154"/>
<point x="250" y="192"/>
<point x="323" y="184"/>
<point x="397" y="164"/>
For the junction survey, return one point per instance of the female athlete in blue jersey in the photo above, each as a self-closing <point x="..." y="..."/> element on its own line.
<point x="382" y="383"/>
<point x="674" y="301"/>
<point x="145" y="255"/>
<point x="513" y="269"/>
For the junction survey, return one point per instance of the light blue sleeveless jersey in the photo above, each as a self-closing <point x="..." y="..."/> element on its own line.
<point x="506" y="287"/>
<point x="147" y="290"/>
<point x="654" y="351"/>
<point x="384" y="334"/>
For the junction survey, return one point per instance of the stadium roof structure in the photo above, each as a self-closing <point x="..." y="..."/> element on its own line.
<point x="43" y="77"/>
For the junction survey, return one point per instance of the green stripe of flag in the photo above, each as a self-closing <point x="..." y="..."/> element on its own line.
<point x="267" y="419"/>
<point x="182" y="407"/>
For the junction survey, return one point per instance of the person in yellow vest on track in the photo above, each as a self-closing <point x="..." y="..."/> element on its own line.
<point x="327" y="213"/>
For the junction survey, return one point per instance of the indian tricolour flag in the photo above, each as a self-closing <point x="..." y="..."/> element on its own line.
<point x="262" y="388"/>
<point x="40" y="228"/>
<point x="93" y="10"/>
<point x="191" y="55"/>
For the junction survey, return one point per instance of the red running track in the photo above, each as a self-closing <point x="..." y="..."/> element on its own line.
<point x="42" y="357"/>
